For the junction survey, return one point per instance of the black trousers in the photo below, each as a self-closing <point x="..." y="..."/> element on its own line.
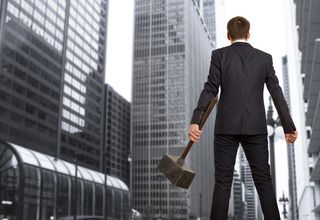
<point x="256" y="151"/>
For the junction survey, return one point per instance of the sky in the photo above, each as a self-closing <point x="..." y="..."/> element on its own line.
<point x="119" y="46"/>
<point x="268" y="33"/>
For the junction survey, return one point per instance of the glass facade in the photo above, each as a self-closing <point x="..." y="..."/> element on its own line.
<point x="31" y="56"/>
<point x="82" y="99"/>
<point x="52" y="59"/>
<point x="308" y="27"/>
<point x="171" y="60"/>
<point x="290" y="148"/>
<point x="117" y="148"/>
<point x="209" y="15"/>
<point x="36" y="186"/>
<point x="252" y="211"/>
<point x="237" y="197"/>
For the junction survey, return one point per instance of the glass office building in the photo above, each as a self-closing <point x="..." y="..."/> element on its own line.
<point x="253" y="210"/>
<point x="308" y="27"/>
<point x="209" y="16"/>
<point x="172" y="49"/>
<point x="37" y="186"/>
<point x="293" y="207"/>
<point x="52" y="59"/>
<point x="208" y="12"/>
<point x="117" y="148"/>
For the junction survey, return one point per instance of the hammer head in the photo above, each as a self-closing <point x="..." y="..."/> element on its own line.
<point x="179" y="175"/>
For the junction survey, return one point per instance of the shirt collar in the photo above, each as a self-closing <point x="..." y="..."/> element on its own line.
<point x="240" y="40"/>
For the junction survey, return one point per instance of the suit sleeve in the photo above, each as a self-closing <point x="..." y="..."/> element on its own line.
<point x="211" y="89"/>
<point x="279" y="101"/>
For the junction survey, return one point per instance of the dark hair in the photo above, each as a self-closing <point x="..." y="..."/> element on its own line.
<point x="238" y="28"/>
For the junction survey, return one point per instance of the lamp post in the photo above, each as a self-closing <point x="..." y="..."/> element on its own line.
<point x="271" y="125"/>
<point x="284" y="200"/>
<point x="105" y="185"/>
<point x="130" y="185"/>
<point x="200" y="206"/>
<point x="75" y="186"/>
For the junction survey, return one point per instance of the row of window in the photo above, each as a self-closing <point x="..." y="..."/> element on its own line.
<point x="158" y="51"/>
<point x="77" y="126"/>
<point x="46" y="27"/>
<point x="31" y="108"/>
<point x="38" y="122"/>
<point x="33" y="48"/>
<point x="93" y="7"/>
<point x="82" y="21"/>
<point x="69" y="128"/>
<point x="84" y="158"/>
<point x="91" y="48"/>
<point x="23" y="89"/>
<point x="145" y="143"/>
<point x="76" y="96"/>
<point x="159" y="135"/>
<point x="82" y="143"/>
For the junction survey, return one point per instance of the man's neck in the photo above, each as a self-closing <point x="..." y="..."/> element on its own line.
<point x="239" y="40"/>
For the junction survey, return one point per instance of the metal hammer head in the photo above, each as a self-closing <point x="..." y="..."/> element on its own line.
<point x="179" y="175"/>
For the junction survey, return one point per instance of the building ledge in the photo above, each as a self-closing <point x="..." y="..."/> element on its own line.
<point x="314" y="85"/>
<point x="315" y="175"/>
<point x="317" y="209"/>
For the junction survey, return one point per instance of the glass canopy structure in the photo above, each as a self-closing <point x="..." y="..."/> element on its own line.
<point x="37" y="186"/>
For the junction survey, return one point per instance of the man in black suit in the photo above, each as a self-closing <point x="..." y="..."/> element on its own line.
<point x="241" y="71"/>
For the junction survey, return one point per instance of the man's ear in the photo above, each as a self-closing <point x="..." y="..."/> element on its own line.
<point x="228" y="36"/>
<point x="248" y="35"/>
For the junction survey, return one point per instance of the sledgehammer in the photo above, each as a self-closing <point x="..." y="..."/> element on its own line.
<point x="173" y="167"/>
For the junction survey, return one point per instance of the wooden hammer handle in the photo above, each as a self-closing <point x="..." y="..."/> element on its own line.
<point x="202" y="121"/>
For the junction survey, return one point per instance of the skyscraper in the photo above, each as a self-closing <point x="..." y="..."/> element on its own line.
<point x="308" y="23"/>
<point x="207" y="10"/>
<point x="293" y="213"/>
<point x="209" y="17"/>
<point x="171" y="60"/>
<point x="253" y="212"/>
<point x="52" y="76"/>
<point x="238" y="197"/>
<point x="117" y="134"/>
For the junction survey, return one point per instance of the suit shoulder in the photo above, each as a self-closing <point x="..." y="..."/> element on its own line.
<point x="221" y="49"/>
<point x="262" y="53"/>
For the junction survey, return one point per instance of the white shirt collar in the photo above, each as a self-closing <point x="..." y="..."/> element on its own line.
<point x="240" y="40"/>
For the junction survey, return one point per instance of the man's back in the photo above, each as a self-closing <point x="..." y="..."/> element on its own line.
<point x="243" y="72"/>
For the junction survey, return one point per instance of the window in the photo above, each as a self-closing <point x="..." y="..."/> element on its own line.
<point x="38" y="17"/>
<point x="39" y="4"/>
<point x="13" y="10"/>
<point x="27" y="7"/>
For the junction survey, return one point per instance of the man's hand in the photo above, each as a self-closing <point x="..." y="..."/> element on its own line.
<point x="194" y="133"/>
<point x="291" y="137"/>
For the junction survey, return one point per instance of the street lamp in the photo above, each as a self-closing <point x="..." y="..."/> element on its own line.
<point x="200" y="207"/>
<point x="284" y="200"/>
<point x="105" y="184"/>
<point x="272" y="125"/>
<point x="130" y="184"/>
<point x="75" y="186"/>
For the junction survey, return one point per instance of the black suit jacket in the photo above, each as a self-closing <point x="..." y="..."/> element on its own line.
<point x="241" y="71"/>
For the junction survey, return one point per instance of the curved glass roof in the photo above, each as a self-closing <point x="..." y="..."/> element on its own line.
<point x="48" y="162"/>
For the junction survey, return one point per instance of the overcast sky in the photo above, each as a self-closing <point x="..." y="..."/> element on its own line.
<point x="268" y="33"/>
<point x="119" y="46"/>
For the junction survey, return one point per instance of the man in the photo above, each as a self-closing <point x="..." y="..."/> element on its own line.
<point x="241" y="71"/>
